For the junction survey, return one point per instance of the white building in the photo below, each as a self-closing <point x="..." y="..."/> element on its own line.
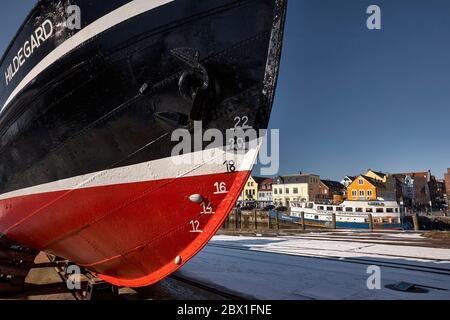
<point x="348" y="180"/>
<point x="301" y="187"/>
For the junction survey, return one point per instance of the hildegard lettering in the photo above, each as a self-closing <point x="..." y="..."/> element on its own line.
<point x="37" y="38"/>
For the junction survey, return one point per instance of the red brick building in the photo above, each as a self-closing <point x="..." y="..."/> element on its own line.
<point x="328" y="189"/>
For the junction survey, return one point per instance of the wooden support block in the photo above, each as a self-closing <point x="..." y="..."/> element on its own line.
<point x="101" y="290"/>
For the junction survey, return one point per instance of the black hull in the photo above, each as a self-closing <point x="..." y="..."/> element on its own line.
<point x="114" y="100"/>
<point x="86" y="165"/>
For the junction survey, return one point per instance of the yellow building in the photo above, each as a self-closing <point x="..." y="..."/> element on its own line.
<point x="368" y="188"/>
<point x="250" y="192"/>
<point x="363" y="188"/>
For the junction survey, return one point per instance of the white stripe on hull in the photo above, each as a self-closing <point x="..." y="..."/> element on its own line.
<point x="167" y="168"/>
<point x="128" y="11"/>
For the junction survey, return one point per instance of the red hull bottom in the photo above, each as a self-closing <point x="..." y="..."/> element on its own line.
<point x="132" y="234"/>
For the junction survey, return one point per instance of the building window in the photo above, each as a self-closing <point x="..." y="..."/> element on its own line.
<point x="361" y="193"/>
<point x="359" y="210"/>
<point x="280" y="191"/>
<point x="329" y="208"/>
<point x="287" y="190"/>
<point x="354" y="193"/>
<point x="361" y="182"/>
<point x="275" y="191"/>
<point x="369" y="193"/>
<point x="380" y="210"/>
<point x="339" y="209"/>
<point x="295" y="190"/>
<point x="390" y="210"/>
<point x="320" y="208"/>
<point x="348" y="209"/>
<point x="369" y="210"/>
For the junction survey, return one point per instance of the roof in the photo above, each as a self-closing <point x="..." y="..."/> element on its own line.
<point x="300" y="178"/>
<point x="374" y="182"/>
<point x="380" y="174"/>
<point x="267" y="182"/>
<point x="333" y="185"/>
<point x="423" y="174"/>
<point x="259" y="180"/>
<point x="353" y="178"/>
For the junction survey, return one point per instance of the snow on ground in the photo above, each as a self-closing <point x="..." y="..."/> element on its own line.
<point x="331" y="247"/>
<point x="319" y="266"/>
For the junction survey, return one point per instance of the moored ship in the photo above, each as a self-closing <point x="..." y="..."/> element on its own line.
<point x="350" y="214"/>
<point x="87" y="120"/>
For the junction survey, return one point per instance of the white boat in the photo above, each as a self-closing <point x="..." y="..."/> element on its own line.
<point x="350" y="214"/>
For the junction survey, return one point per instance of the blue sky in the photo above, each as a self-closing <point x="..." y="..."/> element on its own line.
<point x="349" y="98"/>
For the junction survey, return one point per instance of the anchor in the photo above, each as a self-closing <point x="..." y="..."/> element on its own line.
<point x="195" y="84"/>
